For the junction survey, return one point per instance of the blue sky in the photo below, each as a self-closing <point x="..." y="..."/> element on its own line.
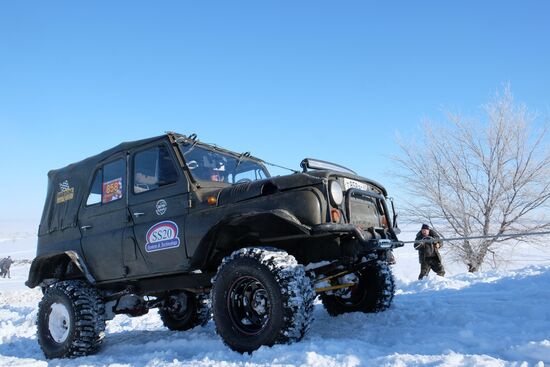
<point x="283" y="79"/>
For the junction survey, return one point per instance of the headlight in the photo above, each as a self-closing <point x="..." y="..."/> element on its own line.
<point x="336" y="193"/>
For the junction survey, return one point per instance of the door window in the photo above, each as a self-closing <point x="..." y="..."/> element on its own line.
<point x="153" y="168"/>
<point x="108" y="184"/>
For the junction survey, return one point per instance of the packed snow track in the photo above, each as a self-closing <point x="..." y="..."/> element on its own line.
<point x="492" y="318"/>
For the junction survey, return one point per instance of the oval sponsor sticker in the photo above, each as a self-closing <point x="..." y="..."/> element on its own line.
<point x="162" y="236"/>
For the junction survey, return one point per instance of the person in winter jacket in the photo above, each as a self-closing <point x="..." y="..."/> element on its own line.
<point x="5" y="265"/>
<point x="428" y="252"/>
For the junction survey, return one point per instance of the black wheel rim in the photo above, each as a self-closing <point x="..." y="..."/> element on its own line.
<point x="249" y="305"/>
<point x="179" y="309"/>
<point x="356" y="294"/>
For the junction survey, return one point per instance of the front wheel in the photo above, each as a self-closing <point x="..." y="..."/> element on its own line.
<point x="71" y="320"/>
<point x="373" y="292"/>
<point x="261" y="297"/>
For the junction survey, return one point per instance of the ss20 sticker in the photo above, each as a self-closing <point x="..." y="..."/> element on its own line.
<point x="162" y="236"/>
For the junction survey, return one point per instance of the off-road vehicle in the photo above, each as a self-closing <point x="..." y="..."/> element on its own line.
<point x="193" y="230"/>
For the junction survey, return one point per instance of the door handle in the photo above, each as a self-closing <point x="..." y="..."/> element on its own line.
<point x="85" y="227"/>
<point x="138" y="214"/>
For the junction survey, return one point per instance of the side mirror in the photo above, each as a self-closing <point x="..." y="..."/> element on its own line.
<point x="396" y="229"/>
<point x="395" y="215"/>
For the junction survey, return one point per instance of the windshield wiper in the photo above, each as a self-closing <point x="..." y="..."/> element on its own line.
<point x="185" y="140"/>
<point x="241" y="156"/>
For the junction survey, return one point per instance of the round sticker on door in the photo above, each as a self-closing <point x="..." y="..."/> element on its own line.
<point x="162" y="236"/>
<point x="161" y="207"/>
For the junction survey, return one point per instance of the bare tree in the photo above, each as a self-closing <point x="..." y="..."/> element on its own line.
<point x="479" y="178"/>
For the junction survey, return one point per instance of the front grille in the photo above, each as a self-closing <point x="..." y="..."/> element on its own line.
<point x="362" y="210"/>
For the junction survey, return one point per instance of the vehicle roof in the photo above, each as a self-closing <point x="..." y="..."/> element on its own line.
<point x="95" y="159"/>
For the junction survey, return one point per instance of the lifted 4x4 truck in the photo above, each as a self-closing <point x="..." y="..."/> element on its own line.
<point x="196" y="230"/>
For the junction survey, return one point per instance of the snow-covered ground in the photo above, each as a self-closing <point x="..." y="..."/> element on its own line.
<point x="494" y="318"/>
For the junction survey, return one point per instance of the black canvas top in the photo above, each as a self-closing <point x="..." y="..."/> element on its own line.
<point x="67" y="187"/>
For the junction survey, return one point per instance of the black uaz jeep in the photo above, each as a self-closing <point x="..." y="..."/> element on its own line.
<point x="172" y="223"/>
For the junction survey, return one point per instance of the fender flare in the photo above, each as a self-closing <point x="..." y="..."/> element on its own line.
<point x="213" y="240"/>
<point x="46" y="267"/>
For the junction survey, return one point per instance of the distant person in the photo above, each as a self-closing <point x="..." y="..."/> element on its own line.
<point x="2" y="274"/>
<point x="5" y="265"/>
<point x="428" y="252"/>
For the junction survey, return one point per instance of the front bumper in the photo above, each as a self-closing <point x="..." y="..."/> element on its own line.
<point x="367" y="241"/>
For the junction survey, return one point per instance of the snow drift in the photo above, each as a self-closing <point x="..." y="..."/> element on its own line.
<point x="495" y="318"/>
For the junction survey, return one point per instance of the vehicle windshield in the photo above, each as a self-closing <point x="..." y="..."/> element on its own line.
<point x="218" y="166"/>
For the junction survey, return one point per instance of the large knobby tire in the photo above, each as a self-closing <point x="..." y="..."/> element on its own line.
<point x="71" y="320"/>
<point x="373" y="292"/>
<point x="261" y="297"/>
<point x="185" y="310"/>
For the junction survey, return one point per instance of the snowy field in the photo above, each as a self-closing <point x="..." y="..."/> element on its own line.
<point x="494" y="318"/>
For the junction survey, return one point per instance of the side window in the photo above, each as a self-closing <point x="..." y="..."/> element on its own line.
<point x="108" y="184"/>
<point x="153" y="168"/>
<point x="95" y="191"/>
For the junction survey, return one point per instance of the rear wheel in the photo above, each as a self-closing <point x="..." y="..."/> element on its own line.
<point x="184" y="310"/>
<point x="373" y="292"/>
<point x="71" y="320"/>
<point x="261" y="297"/>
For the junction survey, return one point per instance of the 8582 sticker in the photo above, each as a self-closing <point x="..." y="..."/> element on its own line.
<point x="162" y="236"/>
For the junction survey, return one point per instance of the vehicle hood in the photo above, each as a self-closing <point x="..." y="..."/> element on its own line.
<point x="268" y="186"/>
